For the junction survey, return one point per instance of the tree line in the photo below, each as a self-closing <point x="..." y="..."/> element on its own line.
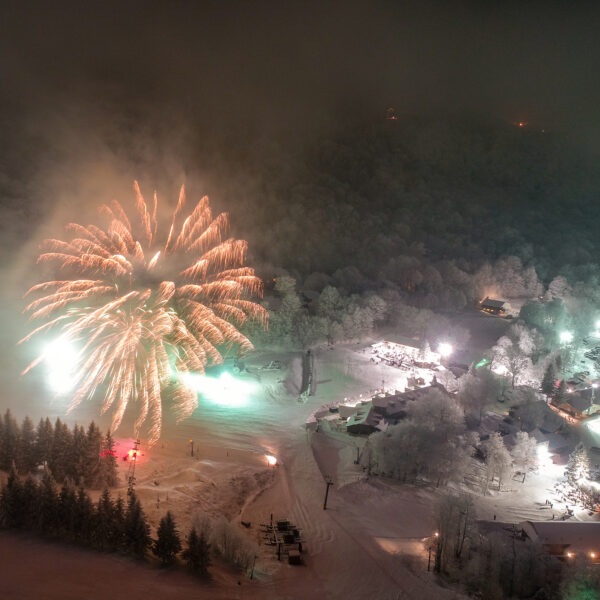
<point x="434" y="444"/>
<point x="84" y="457"/>
<point x="69" y="515"/>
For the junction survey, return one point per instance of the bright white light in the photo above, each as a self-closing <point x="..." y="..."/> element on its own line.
<point x="594" y="385"/>
<point x="566" y="337"/>
<point x="445" y="349"/>
<point x="594" y="425"/>
<point x="500" y="370"/>
<point x="598" y="325"/>
<point x="224" y="390"/>
<point x="61" y="359"/>
<point x="271" y="460"/>
<point x="544" y="458"/>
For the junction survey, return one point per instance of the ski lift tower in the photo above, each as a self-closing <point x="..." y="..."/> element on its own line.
<point x="131" y="472"/>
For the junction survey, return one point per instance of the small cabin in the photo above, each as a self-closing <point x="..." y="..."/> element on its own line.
<point x="494" y="307"/>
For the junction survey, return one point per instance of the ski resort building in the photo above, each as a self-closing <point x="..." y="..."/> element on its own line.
<point x="494" y="307"/>
<point x="564" y="538"/>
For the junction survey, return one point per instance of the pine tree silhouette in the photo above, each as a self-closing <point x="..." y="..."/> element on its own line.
<point x="118" y="540"/>
<point x="168" y="544"/>
<point x="47" y="522"/>
<point x="67" y="512"/>
<point x="92" y="457"/>
<point x="44" y="440"/>
<point x="197" y="553"/>
<point x="11" y="502"/>
<point x="108" y="469"/>
<point x="135" y="529"/>
<point x="26" y="459"/>
<point x="549" y="380"/>
<point x="104" y="527"/>
<point x="9" y="439"/>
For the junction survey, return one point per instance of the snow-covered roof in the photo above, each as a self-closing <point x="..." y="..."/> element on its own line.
<point x="490" y="303"/>
<point x="575" y="535"/>
<point x="401" y="340"/>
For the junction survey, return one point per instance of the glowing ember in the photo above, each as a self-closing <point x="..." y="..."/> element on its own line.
<point x="140" y="308"/>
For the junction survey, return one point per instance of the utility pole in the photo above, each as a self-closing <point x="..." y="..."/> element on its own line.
<point x="328" y="484"/>
<point x="252" y="572"/>
<point x="131" y="473"/>
<point x="192" y="447"/>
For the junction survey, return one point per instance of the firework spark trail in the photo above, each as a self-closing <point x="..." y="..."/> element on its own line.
<point x="135" y="328"/>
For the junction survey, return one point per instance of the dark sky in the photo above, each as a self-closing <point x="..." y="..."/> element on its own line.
<point x="95" y="94"/>
<point x="212" y="64"/>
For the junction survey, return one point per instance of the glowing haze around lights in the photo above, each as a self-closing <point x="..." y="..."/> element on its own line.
<point x="224" y="390"/>
<point x="445" y="349"/>
<point x="61" y="360"/>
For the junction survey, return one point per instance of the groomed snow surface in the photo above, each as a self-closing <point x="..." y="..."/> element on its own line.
<point x="367" y="544"/>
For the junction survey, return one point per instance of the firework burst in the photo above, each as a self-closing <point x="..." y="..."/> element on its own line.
<point x="145" y="309"/>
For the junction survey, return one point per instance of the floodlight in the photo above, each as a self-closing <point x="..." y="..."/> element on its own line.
<point x="445" y="349"/>
<point x="566" y="337"/>
<point x="271" y="460"/>
<point x="225" y="390"/>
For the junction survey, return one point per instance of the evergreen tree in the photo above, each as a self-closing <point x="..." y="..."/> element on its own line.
<point x="67" y="512"/>
<point x="44" y="440"/>
<point x="136" y="533"/>
<point x="549" y="380"/>
<point x="9" y="440"/>
<point x="84" y="522"/>
<point x="29" y="500"/>
<point x="11" y="502"/>
<point x="562" y="392"/>
<point x="197" y="553"/>
<point x="104" y="527"/>
<point x="92" y="457"/>
<point x="61" y="455"/>
<point x="26" y="455"/>
<point x="119" y="524"/>
<point x="108" y="471"/>
<point x="47" y="510"/>
<point x="168" y="543"/>
<point x="76" y="464"/>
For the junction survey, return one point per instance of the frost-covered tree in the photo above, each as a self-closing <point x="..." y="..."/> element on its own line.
<point x="497" y="460"/>
<point x="524" y="452"/>
<point x="455" y="523"/>
<point x="478" y="389"/>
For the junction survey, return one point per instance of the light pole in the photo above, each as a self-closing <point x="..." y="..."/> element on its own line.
<point x="192" y="447"/>
<point x="328" y="484"/>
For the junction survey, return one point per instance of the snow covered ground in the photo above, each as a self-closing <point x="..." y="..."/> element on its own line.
<point x="367" y="544"/>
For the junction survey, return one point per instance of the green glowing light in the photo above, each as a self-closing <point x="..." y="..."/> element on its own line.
<point x="482" y="363"/>
<point x="224" y="390"/>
